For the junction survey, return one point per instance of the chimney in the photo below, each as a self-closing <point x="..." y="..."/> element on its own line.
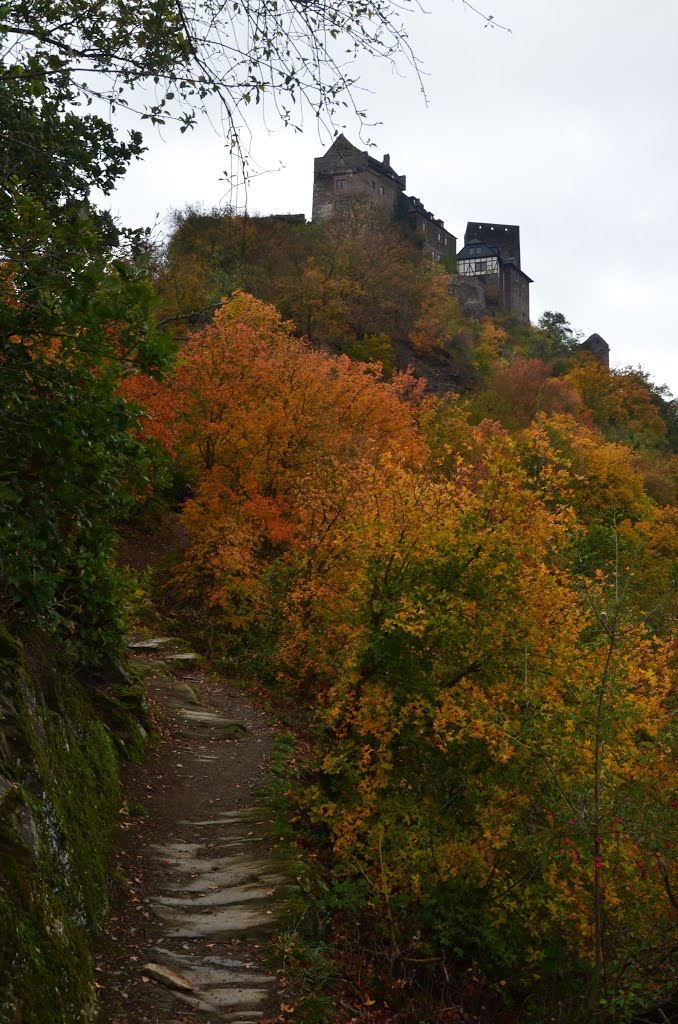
<point x="387" y="160"/>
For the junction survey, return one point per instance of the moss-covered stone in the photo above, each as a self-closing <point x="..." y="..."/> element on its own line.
<point x="60" y="801"/>
<point x="119" y="696"/>
<point x="10" y="648"/>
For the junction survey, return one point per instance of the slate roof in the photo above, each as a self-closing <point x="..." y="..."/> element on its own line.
<point x="477" y="248"/>
<point x="344" y="145"/>
<point x="383" y="168"/>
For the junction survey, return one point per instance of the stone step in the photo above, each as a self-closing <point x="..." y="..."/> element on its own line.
<point x="223" y="896"/>
<point x="235" y="921"/>
<point x="198" y="723"/>
<point x="150" y="643"/>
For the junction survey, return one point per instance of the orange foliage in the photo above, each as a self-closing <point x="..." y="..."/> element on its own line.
<point x="602" y="480"/>
<point x="619" y="402"/>
<point x="440" y="317"/>
<point x="254" y="402"/>
<point x="524" y="389"/>
<point x="494" y="719"/>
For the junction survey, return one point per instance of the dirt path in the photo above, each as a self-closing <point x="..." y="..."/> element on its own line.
<point x="200" y="886"/>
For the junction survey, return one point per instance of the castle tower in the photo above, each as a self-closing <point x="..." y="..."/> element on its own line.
<point x="598" y="348"/>
<point x="491" y="254"/>
<point x="346" y="175"/>
<point x="506" y="237"/>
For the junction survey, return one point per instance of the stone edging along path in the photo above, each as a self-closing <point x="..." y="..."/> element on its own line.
<point x="200" y="887"/>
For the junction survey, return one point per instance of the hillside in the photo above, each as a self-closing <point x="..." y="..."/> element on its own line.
<point x="468" y="599"/>
<point x="442" y="551"/>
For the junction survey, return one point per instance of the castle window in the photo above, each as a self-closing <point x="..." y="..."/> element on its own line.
<point x="340" y="183"/>
<point x="381" y="190"/>
<point x="374" y="184"/>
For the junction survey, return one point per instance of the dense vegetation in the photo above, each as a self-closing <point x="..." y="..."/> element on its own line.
<point x="466" y="587"/>
<point x="471" y="595"/>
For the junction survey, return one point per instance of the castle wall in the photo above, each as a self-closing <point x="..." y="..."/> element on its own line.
<point x="345" y="174"/>
<point x="480" y="294"/>
<point x="438" y="243"/>
<point x="516" y="293"/>
<point x="470" y="293"/>
<point x="505" y="236"/>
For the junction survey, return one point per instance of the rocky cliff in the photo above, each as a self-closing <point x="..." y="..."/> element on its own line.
<point x="61" y="737"/>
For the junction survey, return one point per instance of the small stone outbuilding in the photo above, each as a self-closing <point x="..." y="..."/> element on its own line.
<point x="598" y="348"/>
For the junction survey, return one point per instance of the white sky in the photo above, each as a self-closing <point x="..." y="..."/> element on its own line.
<point x="566" y="126"/>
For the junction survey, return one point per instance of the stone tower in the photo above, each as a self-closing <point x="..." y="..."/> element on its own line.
<point x="506" y="237"/>
<point x="598" y="348"/>
<point x="346" y="175"/>
<point x="491" y="256"/>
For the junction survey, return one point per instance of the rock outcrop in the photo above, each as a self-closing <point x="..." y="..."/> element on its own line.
<point x="59" y="804"/>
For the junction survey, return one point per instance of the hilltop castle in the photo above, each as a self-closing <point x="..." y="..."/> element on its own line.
<point x="487" y="274"/>
<point x="488" y="271"/>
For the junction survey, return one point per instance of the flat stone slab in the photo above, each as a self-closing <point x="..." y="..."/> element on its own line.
<point x="222" y="877"/>
<point x="208" y="1005"/>
<point x="167" y="977"/>
<point x="224" y="895"/>
<point x="175" y="692"/>
<point x="230" y="922"/>
<point x="214" y="972"/>
<point x="238" y="998"/>
<point x="198" y="723"/>
<point x="251" y="815"/>
<point x="184" y="656"/>
<point x="150" y="644"/>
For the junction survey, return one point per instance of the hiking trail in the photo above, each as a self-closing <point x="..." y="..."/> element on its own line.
<point x="201" y="886"/>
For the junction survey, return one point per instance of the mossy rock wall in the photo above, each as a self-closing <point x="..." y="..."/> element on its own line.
<point x="59" y="803"/>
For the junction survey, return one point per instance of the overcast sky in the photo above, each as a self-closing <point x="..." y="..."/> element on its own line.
<point x="565" y="126"/>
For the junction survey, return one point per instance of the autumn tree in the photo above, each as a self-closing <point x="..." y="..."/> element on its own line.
<point x="480" y="625"/>
<point x="75" y="313"/>
<point x="620" y="403"/>
<point x="519" y="391"/>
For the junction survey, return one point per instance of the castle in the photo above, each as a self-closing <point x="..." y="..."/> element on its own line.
<point x="346" y="175"/>
<point x="487" y="275"/>
<point x="488" y="271"/>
